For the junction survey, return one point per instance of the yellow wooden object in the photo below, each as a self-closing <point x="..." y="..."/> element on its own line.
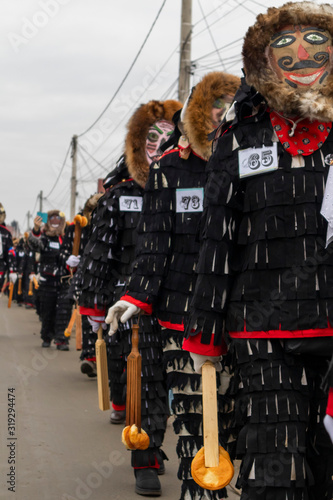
<point x="69" y="328"/>
<point x="211" y="467"/>
<point x="102" y="372"/>
<point x="11" y="290"/>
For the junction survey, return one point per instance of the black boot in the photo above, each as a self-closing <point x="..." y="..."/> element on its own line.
<point x="63" y="346"/>
<point x="147" y="482"/>
<point x="118" y="416"/>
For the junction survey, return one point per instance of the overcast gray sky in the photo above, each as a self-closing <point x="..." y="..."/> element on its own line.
<point x="62" y="61"/>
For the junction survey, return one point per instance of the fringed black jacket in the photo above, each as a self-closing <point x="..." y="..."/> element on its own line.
<point x="163" y="279"/>
<point x="263" y="269"/>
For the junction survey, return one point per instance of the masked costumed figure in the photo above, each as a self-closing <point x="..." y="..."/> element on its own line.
<point x="7" y="252"/>
<point x="66" y="296"/>
<point x="29" y="274"/>
<point x="264" y="274"/>
<point x="48" y="242"/>
<point x="163" y="278"/>
<point x="105" y="269"/>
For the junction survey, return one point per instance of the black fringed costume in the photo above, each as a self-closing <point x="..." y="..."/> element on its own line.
<point x="105" y="268"/>
<point x="7" y="253"/>
<point x="28" y="267"/>
<point x="163" y="278"/>
<point x="264" y="276"/>
<point x="47" y="243"/>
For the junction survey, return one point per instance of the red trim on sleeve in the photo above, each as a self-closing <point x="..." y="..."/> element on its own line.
<point x="147" y="308"/>
<point x="89" y="311"/>
<point x="172" y="326"/>
<point x="36" y="235"/>
<point x="329" y="409"/>
<point x="193" y="344"/>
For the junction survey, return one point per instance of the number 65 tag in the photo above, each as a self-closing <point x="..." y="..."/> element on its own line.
<point x="253" y="161"/>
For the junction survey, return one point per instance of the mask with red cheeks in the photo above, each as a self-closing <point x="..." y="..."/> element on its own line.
<point x="157" y="135"/>
<point x="300" y="56"/>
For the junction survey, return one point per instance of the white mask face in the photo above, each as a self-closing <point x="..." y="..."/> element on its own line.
<point x="158" y="134"/>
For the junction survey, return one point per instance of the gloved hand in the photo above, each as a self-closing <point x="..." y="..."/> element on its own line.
<point x="13" y="278"/>
<point x="122" y="310"/>
<point x="199" y="360"/>
<point x="96" y="322"/>
<point x="73" y="260"/>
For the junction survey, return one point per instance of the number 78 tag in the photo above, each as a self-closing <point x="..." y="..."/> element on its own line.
<point x="253" y="161"/>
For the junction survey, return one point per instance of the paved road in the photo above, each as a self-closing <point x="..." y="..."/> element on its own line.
<point x="62" y="447"/>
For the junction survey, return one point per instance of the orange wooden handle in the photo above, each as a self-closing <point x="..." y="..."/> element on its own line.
<point x="77" y="238"/>
<point x="11" y="290"/>
<point x="19" y="289"/>
<point x="69" y="328"/>
<point x="135" y="338"/>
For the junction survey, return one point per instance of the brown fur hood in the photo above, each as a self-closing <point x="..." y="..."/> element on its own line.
<point x="138" y="126"/>
<point x="314" y="103"/>
<point x="52" y="231"/>
<point x="2" y="214"/>
<point x="197" y="121"/>
<point x="90" y="205"/>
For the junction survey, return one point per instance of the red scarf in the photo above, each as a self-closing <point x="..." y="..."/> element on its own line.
<point x="307" y="136"/>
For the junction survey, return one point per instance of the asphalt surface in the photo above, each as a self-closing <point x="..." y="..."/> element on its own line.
<point x="55" y="442"/>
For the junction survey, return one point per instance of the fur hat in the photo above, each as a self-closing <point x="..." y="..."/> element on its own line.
<point x="313" y="103"/>
<point x="55" y="231"/>
<point x="2" y="214"/>
<point x="135" y="144"/>
<point x="90" y="205"/>
<point x="197" y="120"/>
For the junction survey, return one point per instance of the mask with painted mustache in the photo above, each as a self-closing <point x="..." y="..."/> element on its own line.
<point x="321" y="57"/>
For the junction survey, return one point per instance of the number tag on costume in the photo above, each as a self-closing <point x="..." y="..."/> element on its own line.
<point x="54" y="244"/>
<point x="130" y="203"/>
<point x="189" y="200"/>
<point x="253" y="161"/>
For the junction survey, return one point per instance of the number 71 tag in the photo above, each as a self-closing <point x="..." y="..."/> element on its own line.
<point x="253" y="161"/>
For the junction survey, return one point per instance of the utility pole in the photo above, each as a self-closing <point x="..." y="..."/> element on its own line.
<point x="185" y="51"/>
<point x="41" y="201"/>
<point x="28" y="218"/>
<point x="73" y="178"/>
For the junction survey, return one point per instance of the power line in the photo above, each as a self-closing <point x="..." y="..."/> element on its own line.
<point x="86" y="163"/>
<point x="105" y="169"/>
<point x="217" y="20"/>
<point x="260" y="4"/>
<point x="62" y="168"/>
<point x="155" y="77"/>
<point x="244" y="7"/>
<point x="128" y="72"/>
<point x="211" y="35"/>
<point x="221" y="48"/>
